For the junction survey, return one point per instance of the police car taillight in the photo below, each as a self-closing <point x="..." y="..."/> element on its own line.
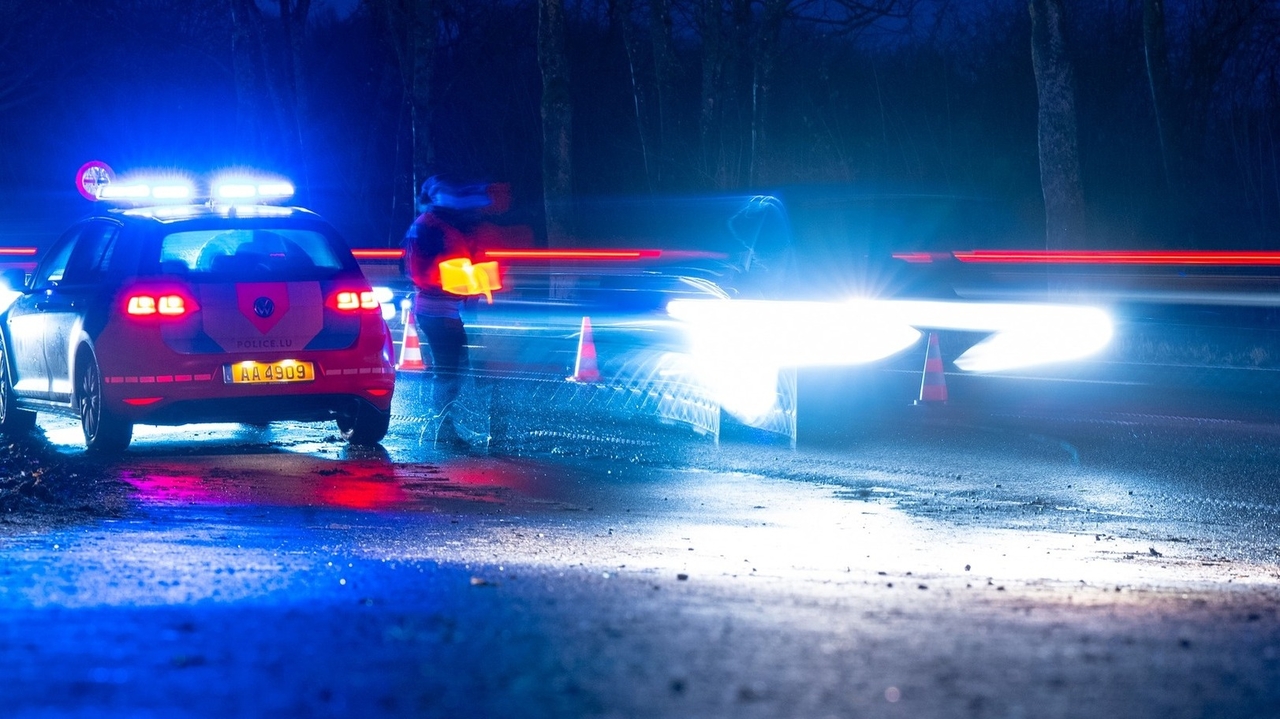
<point x="354" y="300"/>
<point x="152" y="305"/>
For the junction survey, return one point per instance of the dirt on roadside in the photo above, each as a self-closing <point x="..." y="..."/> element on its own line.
<point x="40" y="487"/>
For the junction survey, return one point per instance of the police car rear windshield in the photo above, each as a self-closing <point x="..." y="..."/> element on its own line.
<point x="249" y="254"/>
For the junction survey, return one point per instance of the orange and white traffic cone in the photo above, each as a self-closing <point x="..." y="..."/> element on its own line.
<point x="411" y="350"/>
<point x="933" y="385"/>
<point x="584" y="367"/>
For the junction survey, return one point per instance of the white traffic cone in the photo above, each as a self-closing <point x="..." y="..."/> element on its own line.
<point x="411" y="350"/>
<point x="584" y="367"/>
<point x="933" y="384"/>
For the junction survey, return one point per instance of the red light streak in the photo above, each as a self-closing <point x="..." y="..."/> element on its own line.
<point x="571" y="254"/>
<point x="581" y="255"/>
<point x="378" y="254"/>
<point x="1119" y="257"/>
<point x="18" y="251"/>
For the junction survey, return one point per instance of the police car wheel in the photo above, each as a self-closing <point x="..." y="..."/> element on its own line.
<point x="368" y="425"/>
<point x="13" y="421"/>
<point x="104" y="433"/>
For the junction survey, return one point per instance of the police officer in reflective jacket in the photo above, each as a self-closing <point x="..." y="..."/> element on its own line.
<point x="451" y="226"/>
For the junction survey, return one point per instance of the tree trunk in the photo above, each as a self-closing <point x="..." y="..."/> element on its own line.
<point x="281" y="107"/>
<point x="411" y="28"/>
<point x="766" y="54"/>
<point x="423" y="40"/>
<point x="735" y="139"/>
<point x="293" y="19"/>
<point x="1059" y="146"/>
<point x="392" y="221"/>
<point x="1157" y="65"/>
<point x="247" y="105"/>
<point x="557" y="122"/>
<point x="664" y="70"/>
<point x="293" y="15"/>
<point x="622" y="20"/>
<point x="710" y="26"/>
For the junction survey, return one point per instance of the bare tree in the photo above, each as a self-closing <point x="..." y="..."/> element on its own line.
<point x="557" y="122"/>
<point x="631" y="44"/>
<point x="710" y="22"/>
<point x="279" y="67"/>
<point x="665" y="68"/>
<point x="413" y="29"/>
<point x="729" y="50"/>
<point x="1059" y="146"/>
<point x="425" y="19"/>
<point x="1156" y="57"/>
<point x="15" y="76"/>
<point x="768" y="40"/>
<point x="293" y="24"/>
<point x="244" y="40"/>
<point x="742" y="42"/>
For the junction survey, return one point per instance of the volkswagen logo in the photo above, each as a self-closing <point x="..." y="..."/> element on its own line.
<point x="263" y="307"/>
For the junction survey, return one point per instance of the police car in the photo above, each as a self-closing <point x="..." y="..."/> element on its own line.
<point x="176" y="306"/>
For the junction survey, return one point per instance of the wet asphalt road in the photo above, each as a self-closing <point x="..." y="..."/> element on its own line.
<point x="1033" y="549"/>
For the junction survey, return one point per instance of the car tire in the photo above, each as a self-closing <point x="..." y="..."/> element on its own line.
<point x="367" y="426"/>
<point x="13" y="421"/>
<point x="104" y="432"/>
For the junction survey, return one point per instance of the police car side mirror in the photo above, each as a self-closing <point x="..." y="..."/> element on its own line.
<point x="15" y="279"/>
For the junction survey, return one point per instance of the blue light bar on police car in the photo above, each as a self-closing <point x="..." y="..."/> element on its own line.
<point x="171" y="192"/>
<point x="233" y="188"/>
<point x="235" y="191"/>
<point x="124" y="192"/>
<point x="135" y="191"/>
<point x="275" y="189"/>
<point x="239" y="189"/>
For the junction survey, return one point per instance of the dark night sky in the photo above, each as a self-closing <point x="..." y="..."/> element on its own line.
<point x="949" y="109"/>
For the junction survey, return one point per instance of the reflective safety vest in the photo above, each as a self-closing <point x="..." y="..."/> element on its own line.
<point x="459" y="277"/>
<point x="448" y="267"/>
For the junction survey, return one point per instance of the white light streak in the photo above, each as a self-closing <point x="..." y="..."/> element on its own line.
<point x="738" y="346"/>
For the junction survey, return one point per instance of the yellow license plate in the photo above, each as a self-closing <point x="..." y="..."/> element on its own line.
<point x="269" y="372"/>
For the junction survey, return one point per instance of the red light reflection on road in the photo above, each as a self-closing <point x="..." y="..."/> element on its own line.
<point x="304" y="481"/>
<point x="362" y="494"/>
<point x="258" y="490"/>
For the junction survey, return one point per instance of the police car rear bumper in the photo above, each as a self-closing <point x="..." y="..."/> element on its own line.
<point x="255" y="410"/>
